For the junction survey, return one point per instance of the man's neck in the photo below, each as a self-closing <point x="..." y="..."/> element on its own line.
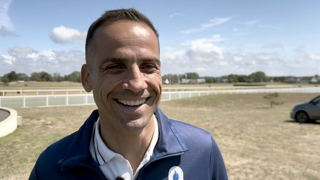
<point x="131" y="145"/>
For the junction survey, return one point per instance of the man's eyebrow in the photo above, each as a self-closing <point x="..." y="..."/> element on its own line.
<point x="152" y="59"/>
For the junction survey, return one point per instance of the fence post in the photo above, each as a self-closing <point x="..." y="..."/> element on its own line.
<point x="0" y="101"/>
<point x="47" y="100"/>
<point x="179" y="95"/>
<point x="169" y="96"/>
<point x="67" y="99"/>
<point x="86" y="100"/>
<point x="24" y="101"/>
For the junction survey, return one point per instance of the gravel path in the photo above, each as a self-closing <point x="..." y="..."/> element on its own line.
<point x="3" y="114"/>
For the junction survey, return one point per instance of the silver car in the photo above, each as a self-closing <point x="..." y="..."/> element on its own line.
<point x="306" y="111"/>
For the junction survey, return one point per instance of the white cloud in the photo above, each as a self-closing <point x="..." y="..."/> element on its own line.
<point x="213" y="22"/>
<point x="4" y="18"/>
<point x="66" y="35"/>
<point x="314" y="57"/>
<point x="208" y="59"/>
<point x="203" y="47"/>
<point x="5" y="22"/>
<point x="27" y="60"/>
<point x="7" y="59"/>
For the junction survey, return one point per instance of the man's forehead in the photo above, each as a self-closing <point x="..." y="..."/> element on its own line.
<point x="131" y="27"/>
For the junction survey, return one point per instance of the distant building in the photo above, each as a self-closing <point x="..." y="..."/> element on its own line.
<point x="199" y="81"/>
<point x="192" y="81"/>
<point x="308" y="80"/>
<point x="292" y="80"/>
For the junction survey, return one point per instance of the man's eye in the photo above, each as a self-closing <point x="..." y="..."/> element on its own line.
<point x="114" y="67"/>
<point x="149" y="67"/>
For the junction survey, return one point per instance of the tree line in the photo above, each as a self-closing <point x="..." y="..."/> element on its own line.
<point x="75" y="76"/>
<point x="255" y="77"/>
<point x="12" y="76"/>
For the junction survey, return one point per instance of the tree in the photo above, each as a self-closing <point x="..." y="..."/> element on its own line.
<point x="242" y="78"/>
<point x="40" y="76"/>
<point x="57" y="77"/>
<point x="5" y="80"/>
<point x="35" y="76"/>
<point x="210" y="79"/>
<point x="191" y="75"/>
<point x="280" y="79"/>
<point x="46" y="76"/>
<point x="270" y="97"/>
<point x="75" y="76"/>
<point x="233" y="78"/>
<point x="12" y="76"/>
<point x="258" y="76"/>
<point x="23" y="76"/>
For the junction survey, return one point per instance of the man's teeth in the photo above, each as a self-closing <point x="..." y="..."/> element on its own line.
<point x="132" y="103"/>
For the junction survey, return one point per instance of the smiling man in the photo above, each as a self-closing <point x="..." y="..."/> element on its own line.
<point x="128" y="137"/>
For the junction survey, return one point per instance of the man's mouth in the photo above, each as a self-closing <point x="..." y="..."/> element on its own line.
<point x="131" y="103"/>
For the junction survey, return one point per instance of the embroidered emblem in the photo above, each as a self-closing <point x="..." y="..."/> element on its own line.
<point x="175" y="176"/>
<point x="175" y="173"/>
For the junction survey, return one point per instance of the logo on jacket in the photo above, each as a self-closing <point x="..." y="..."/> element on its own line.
<point x="175" y="173"/>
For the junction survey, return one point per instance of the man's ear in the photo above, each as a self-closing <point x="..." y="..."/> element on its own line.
<point x="85" y="78"/>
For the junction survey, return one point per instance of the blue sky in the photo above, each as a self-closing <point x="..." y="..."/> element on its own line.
<point x="212" y="38"/>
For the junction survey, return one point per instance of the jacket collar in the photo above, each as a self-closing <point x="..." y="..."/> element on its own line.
<point x="170" y="142"/>
<point x="78" y="154"/>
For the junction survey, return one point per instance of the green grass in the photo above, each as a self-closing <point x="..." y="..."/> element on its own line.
<point x="256" y="141"/>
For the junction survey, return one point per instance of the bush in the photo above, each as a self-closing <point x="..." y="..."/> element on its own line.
<point x="41" y="80"/>
<point x="271" y="98"/>
<point x="249" y="84"/>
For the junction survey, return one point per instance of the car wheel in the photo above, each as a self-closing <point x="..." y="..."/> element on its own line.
<point x="302" y="117"/>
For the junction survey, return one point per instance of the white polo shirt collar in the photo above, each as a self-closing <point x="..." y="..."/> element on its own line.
<point x="113" y="164"/>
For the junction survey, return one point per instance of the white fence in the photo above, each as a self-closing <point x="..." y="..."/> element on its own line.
<point x="213" y="88"/>
<point x="46" y="100"/>
<point x="42" y="92"/>
<point x="167" y="96"/>
<point x="21" y="92"/>
<point x="87" y="99"/>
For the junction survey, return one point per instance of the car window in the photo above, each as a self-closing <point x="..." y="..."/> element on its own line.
<point x="316" y="100"/>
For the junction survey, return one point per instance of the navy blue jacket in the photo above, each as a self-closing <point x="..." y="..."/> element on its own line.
<point x="180" y="144"/>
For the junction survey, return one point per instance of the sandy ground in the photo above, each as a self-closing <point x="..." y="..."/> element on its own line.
<point x="256" y="141"/>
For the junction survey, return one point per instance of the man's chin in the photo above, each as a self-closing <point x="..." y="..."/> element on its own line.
<point x="135" y="124"/>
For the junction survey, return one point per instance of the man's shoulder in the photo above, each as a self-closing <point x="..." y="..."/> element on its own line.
<point x="56" y="151"/>
<point x="189" y="133"/>
<point x="186" y="128"/>
<point x="192" y="134"/>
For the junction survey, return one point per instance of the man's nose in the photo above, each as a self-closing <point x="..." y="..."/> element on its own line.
<point x="135" y="80"/>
